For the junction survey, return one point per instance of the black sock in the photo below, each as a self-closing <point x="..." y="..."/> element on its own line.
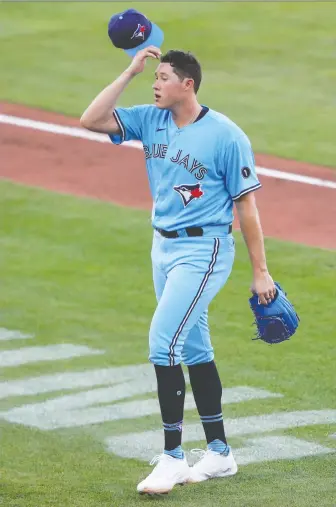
<point x="171" y="393"/>
<point x="207" y="389"/>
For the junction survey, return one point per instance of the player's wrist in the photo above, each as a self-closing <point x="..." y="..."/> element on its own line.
<point x="128" y="74"/>
<point x="260" y="270"/>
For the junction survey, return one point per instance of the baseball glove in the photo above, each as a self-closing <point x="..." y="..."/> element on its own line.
<point x="277" y="321"/>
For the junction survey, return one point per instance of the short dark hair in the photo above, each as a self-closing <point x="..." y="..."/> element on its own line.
<point x="185" y="66"/>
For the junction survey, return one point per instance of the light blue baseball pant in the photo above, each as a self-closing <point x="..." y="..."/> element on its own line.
<point x="187" y="272"/>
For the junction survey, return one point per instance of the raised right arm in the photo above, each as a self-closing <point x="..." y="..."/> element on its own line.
<point x="99" y="115"/>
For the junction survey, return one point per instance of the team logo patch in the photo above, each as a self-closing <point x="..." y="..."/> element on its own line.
<point x="246" y="171"/>
<point x="189" y="192"/>
<point x="139" y="32"/>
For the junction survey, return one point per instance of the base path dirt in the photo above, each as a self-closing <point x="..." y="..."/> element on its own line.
<point x="289" y="210"/>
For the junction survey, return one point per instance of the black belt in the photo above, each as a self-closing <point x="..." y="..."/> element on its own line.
<point x="190" y="231"/>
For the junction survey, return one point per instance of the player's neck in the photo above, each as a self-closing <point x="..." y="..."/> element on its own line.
<point x="186" y="113"/>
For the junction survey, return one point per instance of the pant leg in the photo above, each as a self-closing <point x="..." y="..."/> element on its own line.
<point x="159" y="281"/>
<point x="197" y="347"/>
<point x="198" y="271"/>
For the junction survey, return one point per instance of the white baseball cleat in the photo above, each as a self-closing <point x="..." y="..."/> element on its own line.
<point x="168" y="472"/>
<point x="211" y="465"/>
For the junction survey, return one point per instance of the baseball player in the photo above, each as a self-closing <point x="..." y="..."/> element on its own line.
<point x="199" y="163"/>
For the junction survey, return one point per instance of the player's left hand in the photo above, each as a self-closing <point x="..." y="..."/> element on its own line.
<point x="263" y="285"/>
<point x="277" y="321"/>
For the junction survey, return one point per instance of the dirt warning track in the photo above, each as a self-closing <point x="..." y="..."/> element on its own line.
<point x="297" y="202"/>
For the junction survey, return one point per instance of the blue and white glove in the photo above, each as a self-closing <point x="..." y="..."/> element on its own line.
<point x="277" y="321"/>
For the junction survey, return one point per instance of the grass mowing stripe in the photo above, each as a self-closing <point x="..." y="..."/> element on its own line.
<point x="268" y="65"/>
<point x="78" y="271"/>
<point x="6" y="335"/>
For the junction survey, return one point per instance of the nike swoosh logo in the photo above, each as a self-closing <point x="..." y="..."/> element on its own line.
<point x="159" y="130"/>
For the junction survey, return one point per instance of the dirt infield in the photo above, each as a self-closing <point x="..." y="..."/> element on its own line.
<point x="289" y="210"/>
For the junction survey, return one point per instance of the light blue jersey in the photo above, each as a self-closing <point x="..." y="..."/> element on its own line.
<point x="195" y="172"/>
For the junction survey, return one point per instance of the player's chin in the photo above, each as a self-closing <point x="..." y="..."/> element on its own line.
<point x="159" y="103"/>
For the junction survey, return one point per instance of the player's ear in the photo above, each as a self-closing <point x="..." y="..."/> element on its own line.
<point x="189" y="84"/>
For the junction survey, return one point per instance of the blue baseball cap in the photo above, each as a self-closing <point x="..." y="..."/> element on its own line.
<point x="132" y="31"/>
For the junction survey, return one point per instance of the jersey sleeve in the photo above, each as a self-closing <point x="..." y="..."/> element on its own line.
<point x="240" y="173"/>
<point x="131" y="124"/>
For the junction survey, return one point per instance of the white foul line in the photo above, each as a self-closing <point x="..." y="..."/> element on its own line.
<point x="103" y="138"/>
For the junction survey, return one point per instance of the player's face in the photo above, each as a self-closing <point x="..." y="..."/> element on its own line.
<point x="168" y="88"/>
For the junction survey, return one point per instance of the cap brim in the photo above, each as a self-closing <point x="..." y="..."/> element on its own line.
<point x="155" y="39"/>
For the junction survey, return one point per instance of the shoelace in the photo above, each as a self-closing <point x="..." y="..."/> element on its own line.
<point x="156" y="459"/>
<point x="199" y="452"/>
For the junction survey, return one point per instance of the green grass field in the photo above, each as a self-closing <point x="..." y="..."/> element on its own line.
<point x="78" y="271"/>
<point x="270" y="66"/>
